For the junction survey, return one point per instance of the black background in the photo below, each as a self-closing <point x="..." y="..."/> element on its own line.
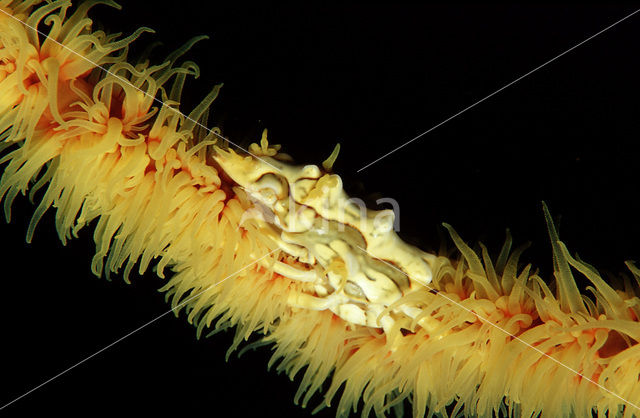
<point x="370" y="77"/>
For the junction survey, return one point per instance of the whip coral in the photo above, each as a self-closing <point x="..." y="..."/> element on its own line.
<point x="245" y="239"/>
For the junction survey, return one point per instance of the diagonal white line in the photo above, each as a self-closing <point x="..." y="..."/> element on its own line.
<point x="485" y="320"/>
<point x="384" y="156"/>
<point x="137" y="88"/>
<point x="133" y="332"/>
<point x="499" y="90"/>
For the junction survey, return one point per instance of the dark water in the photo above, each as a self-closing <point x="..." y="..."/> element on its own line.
<point x="371" y="78"/>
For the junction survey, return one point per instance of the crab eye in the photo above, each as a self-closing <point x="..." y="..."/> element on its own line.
<point x="272" y="187"/>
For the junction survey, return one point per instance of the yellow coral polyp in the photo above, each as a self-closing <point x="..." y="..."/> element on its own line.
<point x="258" y="243"/>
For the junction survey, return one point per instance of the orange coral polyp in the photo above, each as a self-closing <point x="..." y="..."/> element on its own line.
<point x="482" y="336"/>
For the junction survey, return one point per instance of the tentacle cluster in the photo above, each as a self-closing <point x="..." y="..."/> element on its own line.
<point x="106" y="153"/>
<point x="103" y="140"/>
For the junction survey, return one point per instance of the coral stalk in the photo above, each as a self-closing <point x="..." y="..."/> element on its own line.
<point x="335" y="291"/>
